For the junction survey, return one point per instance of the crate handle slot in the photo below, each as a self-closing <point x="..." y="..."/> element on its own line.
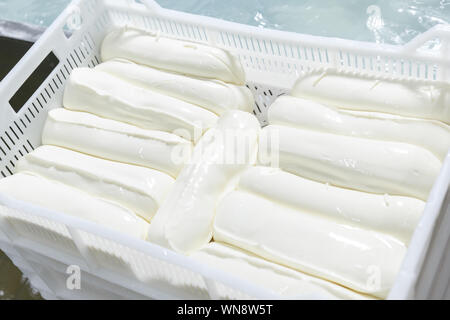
<point x="33" y="82"/>
<point x="441" y="32"/>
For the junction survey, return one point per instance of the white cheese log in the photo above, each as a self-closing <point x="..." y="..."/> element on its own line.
<point x="214" y="95"/>
<point x="174" y="55"/>
<point x="362" y="164"/>
<point x="312" y="115"/>
<point x="394" y="215"/>
<point x="107" y="96"/>
<point x="62" y="198"/>
<point x="366" y="261"/>
<point x="114" y="140"/>
<point x="184" y="221"/>
<point x="427" y="100"/>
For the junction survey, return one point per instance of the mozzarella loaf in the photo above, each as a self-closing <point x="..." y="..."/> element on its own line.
<point x="113" y="140"/>
<point x="139" y="189"/>
<point x="363" y="260"/>
<point x="62" y="198"/>
<point x="356" y="163"/>
<point x="307" y="114"/>
<point x="214" y="95"/>
<point x="100" y="93"/>
<point x="173" y="55"/>
<point x="280" y="280"/>
<point x="359" y="92"/>
<point x="394" y="215"/>
<point x="184" y="221"/>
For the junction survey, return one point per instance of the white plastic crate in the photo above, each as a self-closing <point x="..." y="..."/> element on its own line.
<point x="43" y="243"/>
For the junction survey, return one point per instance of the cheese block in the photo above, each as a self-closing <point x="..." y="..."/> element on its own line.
<point x="415" y="98"/>
<point x="288" y="283"/>
<point x="362" y="164"/>
<point x="114" y="140"/>
<point x="107" y="96"/>
<point x="214" y="95"/>
<point x="308" y="114"/>
<point x="363" y="260"/>
<point x="184" y="221"/>
<point x="180" y="56"/>
<point x="62" y="198"/>
<point x="394" y="215"/>
<point x="136" y="188"/>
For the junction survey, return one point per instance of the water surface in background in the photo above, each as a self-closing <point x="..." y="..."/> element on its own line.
<point x="394" y="22"/>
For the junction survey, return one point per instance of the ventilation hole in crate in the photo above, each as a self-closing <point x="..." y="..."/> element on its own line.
<point x="37" y="111"/>
<point x="50" y="86"/>
<point x="43" y="98"/>
<point x="81" y="52"/>
<point x="32" y="114"/>
<point x="9" y="170"/>
<point x="21" y="132"/>
<point x="67" y="71"/>
<point x="48" y="94"/>
<point x="3" y="174"/>
<point x="70" y="65"/>
<point x="38" y="101"/>
<point x="78" y="56"/>
<point x="29" y="143"/>
<point x="257" y="106"/>
<point x="14" y="133"/>
<point x="9" y="137"/>
<point x="6" y="144"/>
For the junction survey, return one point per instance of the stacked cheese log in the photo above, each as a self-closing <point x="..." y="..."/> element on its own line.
<point x="127" y="127"/>
<point x="347" y="162"/>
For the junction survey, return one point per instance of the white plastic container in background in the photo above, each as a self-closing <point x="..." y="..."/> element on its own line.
<point x="43" y="243"/>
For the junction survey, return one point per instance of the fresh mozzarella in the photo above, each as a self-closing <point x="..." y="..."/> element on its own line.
<point x="180" y="56"/>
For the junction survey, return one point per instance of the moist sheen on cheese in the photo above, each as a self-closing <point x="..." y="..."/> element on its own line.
<point x="309" y="243"/>
<point x="362" y="164"/>
<point x="184" y="221"/>
<point x="284" y="281"/>
<point x="114" y="140"/>
<point x="214" y="95"/>
<point x="428" y="100"/>
<point x="394" y="215"/>
<point x="180" y="56"/>
<point x="62" y="198"/>
<point x="100" y="93"/>
<point x="308" y="114"/>
<point x="137" y="188"/>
